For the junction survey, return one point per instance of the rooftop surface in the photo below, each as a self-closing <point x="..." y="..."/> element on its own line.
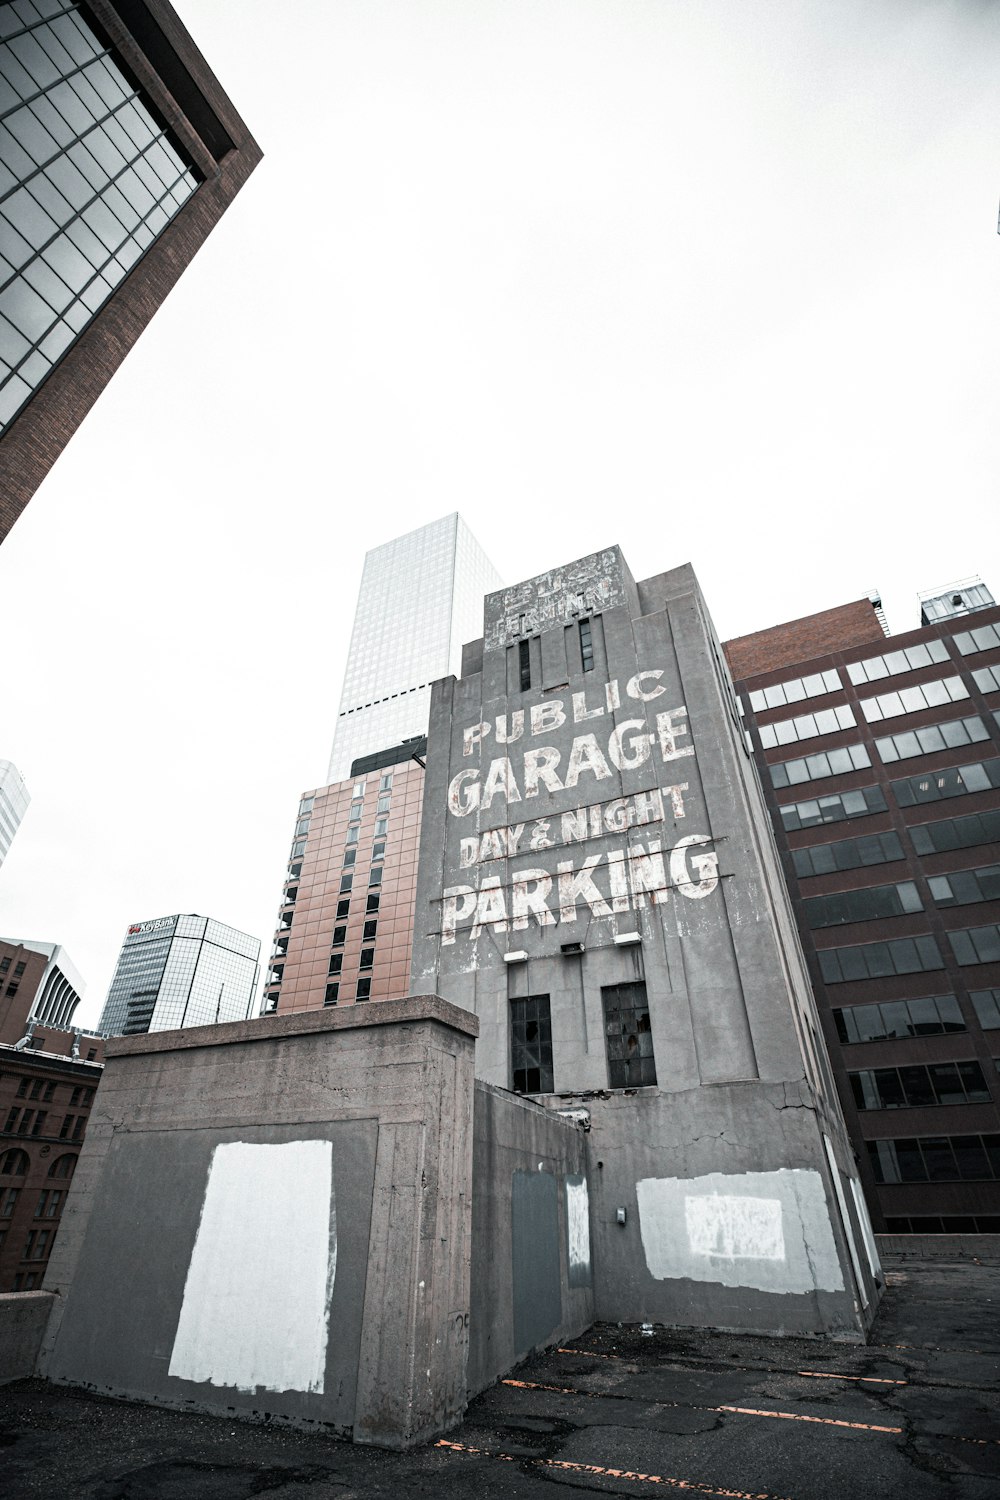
<point x="915" y="1414"/>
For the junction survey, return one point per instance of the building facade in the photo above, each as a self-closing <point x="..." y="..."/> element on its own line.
<point x="14" y="799"/>
<point x="880" y="764"/>
<point x="421" y="598"/>
<point x="49" y="1073"/>
<point x="181" y="971"/>
<point x="598" y="884"/>
<point x="119" y="152"/>
<point x="345" y="925"/>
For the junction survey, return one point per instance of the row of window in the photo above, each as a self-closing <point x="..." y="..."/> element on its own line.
<point x="919" y="1085"/>
<point x="911" y="700"/>
<point x="586" y="635"/>
<point x="627" y="1036"/>
<point x="48" y="1206"/>
<point x="44" y="1090"/>
<point x="865" y="905"/>
<point x="980" y="639"/>
<point x="893" y="663"/>
<point x="964" y="887"/>
<point x="817" y="767"/>
<point x="15" y="1163"/>
<point x="32" y="1122"/>
<point x="807" y="726"/>
<point x="936" y="1158"/>
<point x="5" y="966"/>
<point x="911" y="791"/>
<point x="949" y="736"/>
<point x="944" y="1224"/>
<point x="366" y="961"/>
<point x="363" y="991"/>
<point x="987" y="679"/>
<point x="971" y="945"/>
<point x="927" y="1015"/>
<point x="795" y="689"/>
<point x="956" y="833"/>
<point x="848" y="854"/>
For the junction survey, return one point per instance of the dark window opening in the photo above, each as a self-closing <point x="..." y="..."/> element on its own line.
<point x="370" y="929"/>
<point x="531" y="1045"/>
<point x="332" y="991"/>
<point x="587" y="645"/>
<point x="628" y="1036"/>
<point x="339" y="936"/>
<point x="524" y="664"/>
<point x="373" y="903"/>
<point x="343" y="907"/>
<point x="367" y="958"/>
<point x="364" y="989"/>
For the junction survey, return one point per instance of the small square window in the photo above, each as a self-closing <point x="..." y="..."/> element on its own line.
<point x="346" y="881"/>
<point x="332" y="991"/>
<point x="375" y="876"/>
<point x="373" y="903"/>
<point x="359" y="789"/>
<point x="386" y="781"/>
<point x="350" y="855"/>
<point x="367" y="958"/>
<point x="383" y="804"/>
<point x="378" y="849"/>
<point x="364" y="989"/>
<point x="339" y="936"/>
<point x="343" y="907"/>
<point x="357" y="808"/>
<point x="352" y="834"/>
<point x="371" y="927"/>
<point x="381" y="827"/>
<point x="336" y="962"/>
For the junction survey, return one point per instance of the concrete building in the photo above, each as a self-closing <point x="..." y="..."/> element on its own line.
<point x="120" y="152"/>
<point x="181" y="971"/>
<point x="421" y="598"/>
<point x="14" y="799"/>
<point x="599" y="885"/>
<point x="49" y="1071"/>
<point x="345" y="925"/>
<point x="880" y="761"/>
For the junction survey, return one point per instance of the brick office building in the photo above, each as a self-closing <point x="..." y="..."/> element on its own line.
<point x="48" y="1076"/>
<point x="880" y="762"/>
<point x="120" y="152"/>
<point x="345" y="924"/>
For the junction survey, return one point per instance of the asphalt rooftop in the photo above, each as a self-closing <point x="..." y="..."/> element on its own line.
<point x="914" y="1414"/>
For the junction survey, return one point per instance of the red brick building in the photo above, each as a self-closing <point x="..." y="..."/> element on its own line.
<point x="345" y="925"/>
<point x="49" y="1074"/>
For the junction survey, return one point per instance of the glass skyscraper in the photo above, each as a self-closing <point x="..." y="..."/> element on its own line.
<point x="14" y="801"/>
<point x="421" y="599"/>
<point x="181" y="971"/>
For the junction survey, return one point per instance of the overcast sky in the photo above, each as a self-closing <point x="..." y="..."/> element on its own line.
<point x="716" y="281"/>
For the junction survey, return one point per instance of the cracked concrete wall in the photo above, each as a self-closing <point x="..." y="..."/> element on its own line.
<point x="197" y="1136"/>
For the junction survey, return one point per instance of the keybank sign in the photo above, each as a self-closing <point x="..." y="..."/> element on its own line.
<point x="605" y="883"/>
<point x="158" y="926"/>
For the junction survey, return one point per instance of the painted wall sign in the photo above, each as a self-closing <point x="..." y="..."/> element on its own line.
<point x="156" y="926"/>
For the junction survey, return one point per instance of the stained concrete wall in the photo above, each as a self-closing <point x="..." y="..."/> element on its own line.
<point x="532" y="1281"/>
<point x="606" y="826"/>
<point x="272" y="1217"/>
<point x="23" y="1319"/>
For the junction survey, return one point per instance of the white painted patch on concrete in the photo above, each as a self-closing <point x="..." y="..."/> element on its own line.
<point x="735" y="1227"/>
<point x="578" y="1226"/>
<point x="256" y="1306"/>
<point x="770" y="1231"/>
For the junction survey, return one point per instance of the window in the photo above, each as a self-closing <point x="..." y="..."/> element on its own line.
<point x="912" y="699"/>
<point x="343" y="907"/>
<point x="302" y="826"/>
<point x="37" y="1244"/>
<point x="298" y="848"/>
<point x="63" y="1166"/>
<point x="375" y="876"/>
<point x="12" y="988"/>
<point x="24" y="1122"/>
<point x="367" y="958"/>
<point x="794" y="690"/>
<point x="339" y="936"/>
<point x="294" y="870"/>
<point x="835" y="808"/>
<point x="848" y="854"/>
<point x="18" y="970"/>
<point x="981" y="639"/>
<point x="332" y="991"/>
<point x="336" y="963"/>
<point x="963" y="887"/>
<point x="931" y="1015"/>
<point x="524" y="664"/>
<point x="291" y="895"/>
<point x="908" y="660"/>
<point x="370" y="929"/>
<point x="873" y="960"/>
<point x="48" y="1204"/>
<point x="955" y="732"/>
<point x="866" y="905"/>
<point x="586" y="646"/>
<point x="350" y="855"/>
<point x="936" y="1158"/>
<point x="373" y="902"/>
<point x="987" y="679"/>
<point x="976" y="945"/>
<point x="627" y="1035"/>
<point x="4" y="965"/>
<point x="352" y="833"/>
<point x="825" y="763"/>
<point x="306" y="805"/>
<point x="956" y="833"/>
<point x="955" y="781"/>
<point x="67" y="1126"/>
<point x="378" y="849"/>
<point x="346" y="881"/>
<point x="381" y="827"/>
<point x="531" y="1045"/>
<point x="359" y="789"/>
<point x="382" y="805"/>
<point x="364" y="989"/>
<point x="987" y="1006"/>
<point x="806" y="726"/>
<point x="39" y="1124"/>
<point x="386" y="781"/>
<point x="354" y="816"/>
<point x="920" y="1085"/>
<point x="8" y="1201"/>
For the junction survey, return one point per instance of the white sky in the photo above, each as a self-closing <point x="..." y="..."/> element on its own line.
<point x="712" y="280"/>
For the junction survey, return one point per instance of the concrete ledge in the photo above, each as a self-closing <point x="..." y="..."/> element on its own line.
<point x="299" y="1023"/>
<point x="24" y="1317"/>
<point x="981" y="1247"/>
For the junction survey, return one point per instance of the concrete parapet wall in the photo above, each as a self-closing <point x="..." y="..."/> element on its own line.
<point x="281" y="1208"/>
<point x="981" y="1247"/>
<point x="23" y="1319"/>
<point x="532" y="1273"/>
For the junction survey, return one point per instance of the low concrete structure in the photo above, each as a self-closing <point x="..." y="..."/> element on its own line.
<point x="23" y="1319"/>
<point x="273" y="1218"/>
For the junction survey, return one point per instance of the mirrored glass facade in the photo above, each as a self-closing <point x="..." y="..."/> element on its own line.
<point x="88" y="180"/>
<point x="181" y="971"/>
<point x="421" y="600"/>
<point x="14" y="799"/>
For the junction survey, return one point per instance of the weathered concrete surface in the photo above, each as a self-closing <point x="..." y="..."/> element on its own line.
<point x="981" y="1247"/>
<point x="23" y="1318"/>
<point x="532" y="1274"/>
<point x="712" y="1414"/>
<point x="187" y="1274"/>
